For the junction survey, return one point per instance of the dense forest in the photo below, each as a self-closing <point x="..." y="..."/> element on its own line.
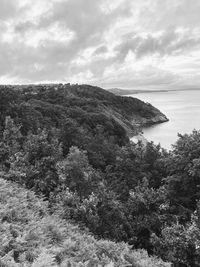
<point x="75" y="191"/>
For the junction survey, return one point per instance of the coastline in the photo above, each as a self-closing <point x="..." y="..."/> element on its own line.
<point x="138" y="136"/>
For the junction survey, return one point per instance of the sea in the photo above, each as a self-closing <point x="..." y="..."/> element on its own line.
<point x="182" y="109"/>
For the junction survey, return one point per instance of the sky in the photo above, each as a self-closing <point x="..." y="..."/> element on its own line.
<point x="134" y="44"/>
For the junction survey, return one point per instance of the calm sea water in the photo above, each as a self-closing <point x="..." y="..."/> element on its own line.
<point x="181" y="107"/>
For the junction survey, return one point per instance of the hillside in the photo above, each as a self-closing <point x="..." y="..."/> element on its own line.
<point x="87" y="105"/>
<point x="30" y="236"/>
<point x="67" y="165"/>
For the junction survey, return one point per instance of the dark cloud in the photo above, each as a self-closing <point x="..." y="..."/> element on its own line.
<point x="169" y="42"/>
<point x="87" y="21"/>
<point x="129" y="44"/>
<point x="101" y="50"/>
<point x="24" y="26"/>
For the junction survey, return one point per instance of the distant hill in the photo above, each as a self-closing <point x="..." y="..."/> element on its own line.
<point x="122" y="92"/>
<point x="39" y="106"/>
<point x="125" y="92"/>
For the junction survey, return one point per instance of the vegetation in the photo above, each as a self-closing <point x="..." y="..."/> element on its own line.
<point x="75" y="192"/>
<point x="30" y="236"/>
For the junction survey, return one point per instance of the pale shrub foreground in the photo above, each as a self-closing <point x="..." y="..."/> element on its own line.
<point x="31" y="236"/>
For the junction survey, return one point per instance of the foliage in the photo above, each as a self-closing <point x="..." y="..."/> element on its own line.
<point x="183" y="176"/>
<point x="10" y="143"/>
<point x="132" y="164"/>
<point x="76" y="173"/>
<point x="72" y="107"/>
<point x="35" y="163"/>
<point x="69" y="144"/>
<point x="178" y="243"/>
<point x="102" y="213"/>
<point x="147" y="209"/>
<point x="30" y="236"/>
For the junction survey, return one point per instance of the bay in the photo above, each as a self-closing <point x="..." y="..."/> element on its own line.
<point x="182" y="109"/>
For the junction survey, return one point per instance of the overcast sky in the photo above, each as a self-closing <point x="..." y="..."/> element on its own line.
<point x="147" y="44"/>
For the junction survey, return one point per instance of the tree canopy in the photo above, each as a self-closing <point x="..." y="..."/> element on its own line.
<point x="68" y="168"/>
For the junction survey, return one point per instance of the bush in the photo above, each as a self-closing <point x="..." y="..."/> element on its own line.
<point x="30" y="236"/>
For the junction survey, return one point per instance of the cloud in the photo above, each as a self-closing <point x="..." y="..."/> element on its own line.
<point x="162" y="43"/>
<point x="148" y="77"/>
<point x="101" y="50"/>
<point x="122" y="43"/>
<point x="39" y="40"/>
<point x="155" y="15"/>
<point x="8" y="9"/>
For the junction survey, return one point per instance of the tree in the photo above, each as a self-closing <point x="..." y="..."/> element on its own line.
<point x="10" y="143"/>
<point x="183" y="175"/>
<point x="178" y="244"/>
<point x="147" y="209"/>
<point x="76" y="173"/>
<point x="36" y="162"/>
<point x="123" y="175"/>
<point x="71" y="134"/>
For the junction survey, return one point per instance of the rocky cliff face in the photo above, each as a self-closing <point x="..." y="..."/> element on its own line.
<point x="145" y="122"/>
<point x="144" y="115"/>
<point x="154" y="116"/>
